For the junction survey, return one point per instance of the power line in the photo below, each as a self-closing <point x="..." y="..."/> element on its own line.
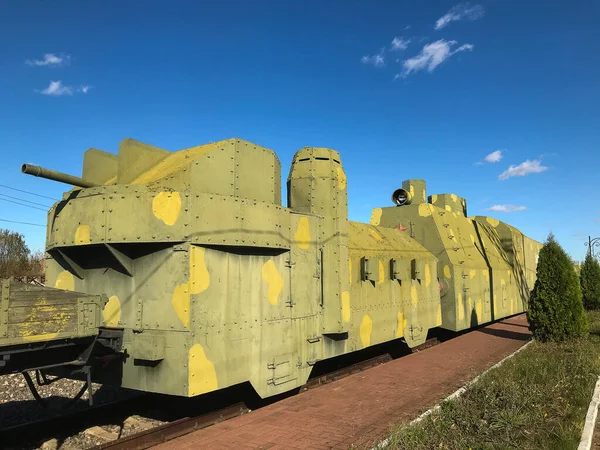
<point x="22" y="204"/>
<point x="27" y="192"/>
<point x="26" y="201"/>
<point x="24" y="223"/>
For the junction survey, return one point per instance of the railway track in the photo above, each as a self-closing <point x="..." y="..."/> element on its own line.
<point x="172" y="430"/>
<point x="181" y="416"/>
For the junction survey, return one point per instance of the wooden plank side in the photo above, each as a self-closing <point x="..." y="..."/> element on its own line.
<point x="26" y="330"/>
<point x="34" y="313"/>
<point x="19" y="289"/>
<point x="39" y="312"/>
<point x="50" y="294"/>
<point x="30" y="302"/>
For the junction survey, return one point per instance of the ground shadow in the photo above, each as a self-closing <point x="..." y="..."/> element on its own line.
<point x="513" y="324"/>
<point x="507" y="334"/>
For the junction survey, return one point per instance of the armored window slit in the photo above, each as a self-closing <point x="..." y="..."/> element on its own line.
<point x="369" y="269"/>
<point x="417" y="269"/>
<point x="399" y="269"/>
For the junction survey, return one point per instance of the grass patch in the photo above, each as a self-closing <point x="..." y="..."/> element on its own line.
<point x="536" y="400"/>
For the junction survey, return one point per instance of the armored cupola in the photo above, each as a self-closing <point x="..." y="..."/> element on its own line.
<point x="449" y="202"/>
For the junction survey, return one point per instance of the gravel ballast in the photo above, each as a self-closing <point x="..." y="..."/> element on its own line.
<point x="18" y="406"/>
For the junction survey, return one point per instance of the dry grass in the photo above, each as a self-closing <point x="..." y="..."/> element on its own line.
<point x="536" y="400"/>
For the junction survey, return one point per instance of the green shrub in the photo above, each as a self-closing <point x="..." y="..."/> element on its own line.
<point x="555" y="310"/>
<point x="589" y="277"/>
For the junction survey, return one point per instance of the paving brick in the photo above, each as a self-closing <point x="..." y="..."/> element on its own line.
<point x="363" y="407"/>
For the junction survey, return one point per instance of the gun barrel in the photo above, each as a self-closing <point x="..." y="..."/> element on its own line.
<point x="37" y="171"/>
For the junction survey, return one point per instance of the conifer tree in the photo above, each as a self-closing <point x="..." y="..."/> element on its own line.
<point x="555" y="310"/>
<point x="589" y="278"/>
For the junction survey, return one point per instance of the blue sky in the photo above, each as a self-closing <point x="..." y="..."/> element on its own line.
<point x="402" y="89"/>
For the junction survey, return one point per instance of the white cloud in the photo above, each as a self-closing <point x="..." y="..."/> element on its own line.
<point x="400" y="44"/>
<point x="56" y="88"/>
<point x="431" y="56"/>
<point x="507" y="208"/>
<point x="494" y="157"/>
<point x="377" y="60"/>
<point x="50" y="59"/>
<point x="525" y="168"/>
<point x="462" y="11"/>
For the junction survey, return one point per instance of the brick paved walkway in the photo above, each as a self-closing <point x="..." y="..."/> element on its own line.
<point x="360" y="409"/>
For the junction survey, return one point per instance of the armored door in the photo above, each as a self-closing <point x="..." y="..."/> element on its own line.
<point x="305" y="266"/>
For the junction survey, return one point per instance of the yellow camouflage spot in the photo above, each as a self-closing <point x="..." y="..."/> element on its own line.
<point x="30" y="329"/>
<point x="199" y="276"/>
<point x="39" y="337"/>
<point x="381" y="272"/>
<point x="453" y="197"/>
<point x="174" y="162"/>
<point x="486" y="274"/>
<point x="346" y="306"/>
<point x="479" y="311"/>
<point x="424" y="196"/>
<point x="434" y="198"/>
<point x="493" y="222"/>
<point x="414" y="296"/>
<point x="447" y="208"/>
<point x="274" y="281"/>
<point x="412" y="191"/>
<point x="341" y="179"/>
<point x="451" y="233"/>
<point x="166" y="206"/>
<point x="472" y="273"/>
<point x="439" y="315"/>
<point x="424" y="209"/>
<point x="447" y="272"/>
<point x="401" y="325"/>
<point x="376" y="216"/>
<point x="375" y="234"/>
<point x="460" y="306"/>
<point x="427" y="275"/>
<point x="82" y="235"/>
<point x="198" y="282"/>
<point x="181" y="303"/>
<point x="302" y="235"/>
<point x="65" y="281"/>
<point x="202" y="376"/>
<point x="350" y="269"/>
<point x="112" y="311"/>
<point x="366" y="327"/>
<point x="111" y="180"/>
